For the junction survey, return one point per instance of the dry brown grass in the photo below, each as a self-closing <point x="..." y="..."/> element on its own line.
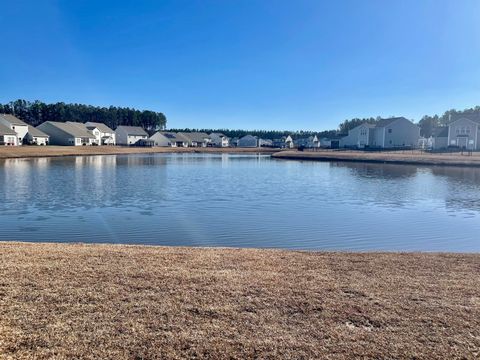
<point x="393" y="157"/>
<point x="114" y="302"/>
<point x="49" y="151"/>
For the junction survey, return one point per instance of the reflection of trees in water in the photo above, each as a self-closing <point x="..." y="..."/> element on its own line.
<point x="459" y="174"/>
<point x="383" y="171"/>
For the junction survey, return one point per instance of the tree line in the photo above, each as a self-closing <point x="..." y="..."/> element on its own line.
<point x="37" y="112"/>
<point x="264" y="134"/>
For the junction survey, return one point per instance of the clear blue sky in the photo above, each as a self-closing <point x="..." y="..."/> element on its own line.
<point x="246" y="64"/>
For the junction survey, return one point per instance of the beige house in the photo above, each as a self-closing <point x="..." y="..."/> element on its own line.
<point x="62" y="133"/>
<point x="8" y="137"/>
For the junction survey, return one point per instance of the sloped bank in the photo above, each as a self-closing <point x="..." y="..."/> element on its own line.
<point x="78" y="301"/>
<point x="405" y="157"/>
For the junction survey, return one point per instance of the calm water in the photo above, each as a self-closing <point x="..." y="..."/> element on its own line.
<point x="239" y="201"/>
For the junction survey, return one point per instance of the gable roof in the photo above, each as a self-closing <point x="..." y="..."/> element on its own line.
<point x="33" y="131"/>
<point x="195" y="136"/>
<point x="386" y="122"/>
<point x="132" y="130"/>
<point x="100" y="126"/>
<point x="69" y="128"/>
<point x="475" y="117"/>
<point x="13" y="119"/>
<point x="5" y="130"/>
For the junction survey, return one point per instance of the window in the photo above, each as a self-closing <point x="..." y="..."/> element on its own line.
<point x="389" y="131"/>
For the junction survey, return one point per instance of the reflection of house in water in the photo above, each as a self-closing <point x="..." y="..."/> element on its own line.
<point x="383" y="171"/>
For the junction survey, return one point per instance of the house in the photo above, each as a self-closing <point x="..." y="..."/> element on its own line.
<point x="265" y="142"/>
<point x="62" y="133"/>
<point x="248" y="141"/>
<point x="332" y="142"/>
<point x="440" y="138"/>
<point x="196" y="139"/>
<point x="279" y="143"/>
<point x="311" y="142"/>
<point x="234" y="141"/>
<point x="129" y="135"/>
<point x="464" y="131"/>
<point x="36" y="136"/>
<point x="386" y="133"/>
<point x="289" y="142"/>
<point x="165" y="138"/>
<point x="15" y="124"/>
<point x="103" y="134"/>
<point x="219" y="140"/>
<point x="8" y="136"/>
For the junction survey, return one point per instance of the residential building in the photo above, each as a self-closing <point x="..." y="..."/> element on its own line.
<point x="169" y="139"/>
<point x="17" y="125"/>
<point x="8" y="136"/>
<point x="464" y="131"/>
<point x="386" y="133"/>
<point x="103" y="134"/>
<point x="440" y="138"/>
<point x="62" y="133"/>
<point x="219" y="140"/>
<point x="289" y="142"/>
<point x="196" y="139"/>
<point x="265" y="142"/>
<point x="36" y="136"/>
<point x="129" y="135"/>
<point x="248" y="141"/>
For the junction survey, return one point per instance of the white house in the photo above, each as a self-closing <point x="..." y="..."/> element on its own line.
<point x="8" y="136"/>
<point x="36" y="136"/>
<point x="464" y="132"/>
<point x="129" y="135"/>
<point x="219" y="140"/>
<point x="103" y="134"/>
<point x="62" y="133"/>
<point x="265" y="142"/>
<point x="289" y="142"/>
<point x="386" y="133"/>
<point x="169" y="139"/>
<point x="196" y="139"/>
<point x="14" y="123"/>
<point x="248" y="141"/>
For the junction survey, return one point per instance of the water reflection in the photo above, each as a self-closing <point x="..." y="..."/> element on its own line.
<point x="239" y="200"/>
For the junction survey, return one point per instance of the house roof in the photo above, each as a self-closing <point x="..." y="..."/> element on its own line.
<point x="13" y="119"/>
<point x="33" y="131"/>
<point x="100" y="126"/>
<point x="171" y="136"/>
<point x="5" y="130"/>
<point x="133" y="130"/>
<point x="195" y="136"/>
<point x="475" y="117"/>
<point x="218" y="134"/>
<point x="386" y="122"/>
<point x="441" y="131"/>
<point x="70" y="128"/>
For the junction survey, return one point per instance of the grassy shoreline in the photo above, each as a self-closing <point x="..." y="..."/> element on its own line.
<point x="12" y="152"/>
<point x="117" y="301"/>
<point x="399" y="157"/>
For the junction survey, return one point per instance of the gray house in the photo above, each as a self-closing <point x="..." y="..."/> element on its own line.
<point x="248" y="141"/>
<point x="464" y="131"/>
<point x="62" y="133"/>
<point x="15" y="124"/>
<point x="36" y="136"/>
<point x="129" y="135"/>
<point x="8" y="136"/>
<point x="169" y="139"/>
<point x="196" y="139"/>
<point x="386" y="133"/>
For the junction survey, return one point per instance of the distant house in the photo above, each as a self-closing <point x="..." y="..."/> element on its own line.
<point x="15" y="124"/>
<point x="311" y="142"/>
<point x="234" y="141"/>
<point x="196" y="139"/>
<point x="440" y="138"/>
<point x="331" y="142"/>
<point x="386" y="133"/>
<point x="36" y="136"/>
<point x="464" y="131"/>
<point x="169" y="139"/>
<point x="279" y="143"/>
<point x="248" y="141"/>
<point x="289" y="142"/>
<point x="219" y="140"/>
<point x="265" y="142"/>
<point x="103" y="134"/>
<point x="8" y="136"/>
<point x="62" y="133"/>
<point x="129" y="135"/>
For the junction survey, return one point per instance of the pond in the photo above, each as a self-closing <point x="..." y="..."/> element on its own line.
<point x="240" y="201"/>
